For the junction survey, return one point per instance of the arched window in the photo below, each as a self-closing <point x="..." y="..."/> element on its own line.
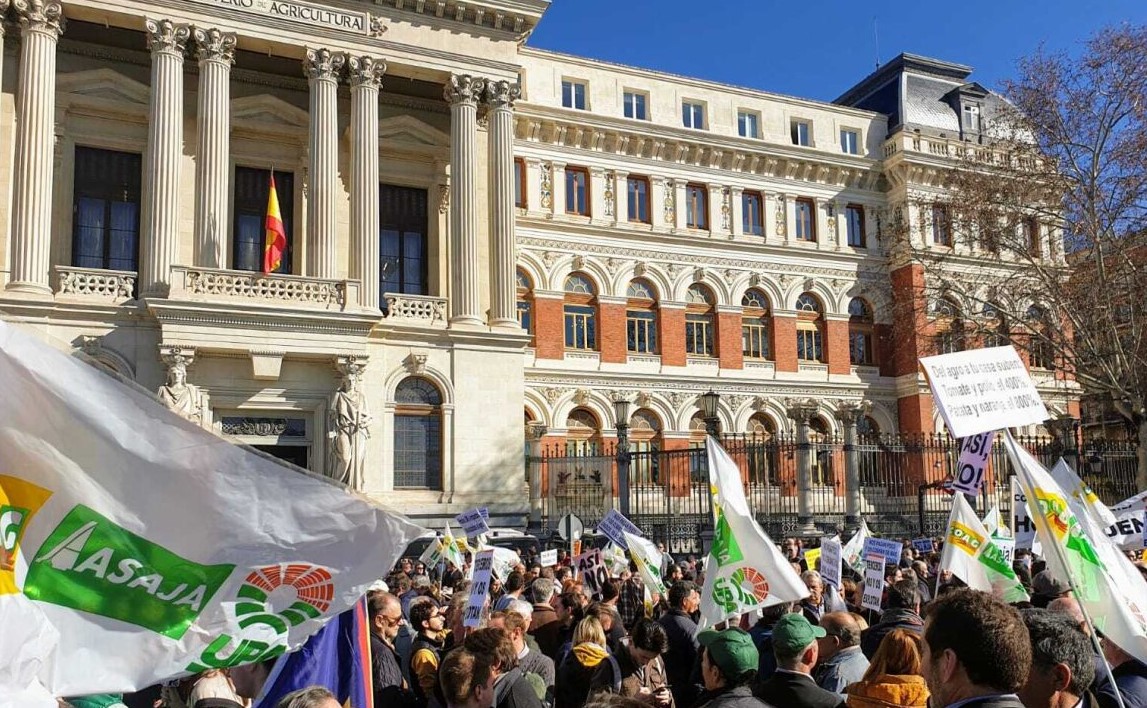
<point x="699" y="306"/>
<point x="761" y="428"/>
<point x="641" y="317"/>
<point x="822" y="452"/>
<point x="525" y="301"/>
<point x="645" y="444"/>
<point x="1040" y="347"/>
<point x="949" y="327"/>
<point x="762" y="450"/>
<point x="583" y="432"/>
<point x="810" y="328"/>
<point x="996" y="332"/>
<point x="756" y="326"/>
<point x="866" y="427"/>
<point x="860" y="351"/>
<point x="698" y="459"/>
<point x="417" y="435"/>
<point x="580" y="312"/>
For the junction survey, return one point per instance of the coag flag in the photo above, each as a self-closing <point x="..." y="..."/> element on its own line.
<point x="152" y="547"/>
<point x="1122" y="524"/>
<point x="1105" y="582"/>
<point x="336" y="657"/>
<point x="994" y="523"/>
<point x="972" y="555"/>
<point x="853" y="551"/>
<point x="275" y="244"/>
<point x="745" y="570"/>
<point x="648" y="561"/>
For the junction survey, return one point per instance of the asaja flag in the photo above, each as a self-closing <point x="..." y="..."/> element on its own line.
<point x="275" y="244"/>
<point x="745" y="569"/>
<point x="152" y="547"/>
<point x="1105" y="581"/>
<point x="648" y="561"/>
<point x="973" y="556"/>
<point x="852" y="553"/>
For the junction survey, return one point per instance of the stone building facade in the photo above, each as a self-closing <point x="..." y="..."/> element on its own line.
<point x="478" y="232"/>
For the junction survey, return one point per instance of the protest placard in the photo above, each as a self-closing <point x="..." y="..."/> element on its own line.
<point x="873" y="582"/>
<point x="480" y="589"/>
<point x="591" y="570"/>
<point x="1007" y="546"/>
<point x="924" y="545"/>
<point x="485" y="512"/>
<point x="981" y="390"/>
<point x="472" y="523"/>
<point x="889" y="550"/>
<point x="614" y="526"/>
<point x="831" y="559"/>
<point x="548" y="558"/>
<point x="1022" y="525"/>
<point x="811" y="556"/>
<point x="973" y="463"/>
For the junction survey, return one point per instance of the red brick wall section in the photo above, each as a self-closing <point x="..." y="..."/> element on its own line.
<point x="910" y="320"/>
<point x="611" y="335"/>
<point x="675" y="468"/>
<point x="915" y="413"/>
<point x="836" y="346"/>
<point x="671" y="336"/>
<point x="549" y="329"/>
<point x="882" y="343"/>
<point x="785" y="343"/>
<point x="729" y="349"/>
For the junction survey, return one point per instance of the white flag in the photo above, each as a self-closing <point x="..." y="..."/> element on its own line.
<point x="745" y="569"/>
<point x="152" y="547"/>
<point x="1106" y="583"/>
<point x="1122" y="525"/>
<point x="994" y="523"/>
<point x="648" y="561"/>
<point x="451" y="550"/>
<point x="853" y="551"/>
<point x="973" y="556"/>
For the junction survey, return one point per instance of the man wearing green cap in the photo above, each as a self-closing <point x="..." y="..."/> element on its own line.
<point x="728" y="667"/>
<point x="792" y="686"/>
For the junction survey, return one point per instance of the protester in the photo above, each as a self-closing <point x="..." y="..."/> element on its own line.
<point x="515" y="585"/>
<point x="792" y="686"/>
<point x="1130" y="676"/>
<point x="578" y="668"/>
<point x="1062" y="662"/>
<point x="631" y="599"/>
<point x="545" y="627"/>
<point x="571" y="611"/>
<point x="466" y="681"/>
<point x="903" y="613"/>
<point x="728" y="668"/>
<point x="511" y="687"/>
<point x="610" y="621"/>
<point x="893" y="678"/>
<point x="923" y="581"/>
<point x="681" y="631"/>
<point x="639" y="671"/>
<point x="762" y="634"/>
<point x="390" y="688"/>
<point x="310" y="697"/>
<point x="841" y="662"/>
<point x="426" y="650"/>
<point x="976" y="651"/>
<point x="532" y="661"/>
<point x="1046" y="587"/>
<point x="820" y="600"/>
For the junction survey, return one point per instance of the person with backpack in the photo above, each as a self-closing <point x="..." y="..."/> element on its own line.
<point x="586" y="657"/>
<point x="426" y="650"/>
<point x="639" y="671"/>
<point x="512" y="688"/>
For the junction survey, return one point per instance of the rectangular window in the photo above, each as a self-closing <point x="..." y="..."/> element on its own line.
<point x="1031" y="232"/>
<point x="105" y="209"/>
<point x="699" y="335"/>
<point x="697" y="206"/>
<point x="519" y="183"/>
<point x="849" y="141"/>
<point x="641" y="331"/>
<point x="634" y="105"/>
<point x="573" y="94"/>
<point x="971" y="115"/>
<point x="808" y="345"/>
<point x="581" y="332"/>
<point x="525" y="316"/>
<point x="748" y="124"/>
<point x="854" y="219"/>
<point x="638" y="191"/>
<point x="801" y="132"/>
<point x="860" y="348"/>
<point x="693" y="115"/>
<point x="418" y="451"/>
<point x="941" y="228"/>
<point x="754" y="338"/>
<point x="806" y="219"/>
<point x="577" y="191"/>
<point x="252" y="186"/>
<point x="403" y="222"/>
<point x="752" y="213"/>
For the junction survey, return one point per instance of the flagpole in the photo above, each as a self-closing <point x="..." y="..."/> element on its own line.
<point x="1058" y="550"/>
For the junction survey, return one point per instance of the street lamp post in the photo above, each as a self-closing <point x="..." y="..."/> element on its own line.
<point x="621" y="412"/>
<point x="709" y="403"/>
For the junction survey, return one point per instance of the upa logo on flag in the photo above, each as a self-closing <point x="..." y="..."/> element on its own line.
<point x="744" y="587"/>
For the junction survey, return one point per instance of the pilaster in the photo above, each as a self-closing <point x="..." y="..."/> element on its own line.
<point x="462" y="93"/>
<point x="500" y="97"/>
<point x="322" y="68"/>
<point x="216" y="53"/>
<point x="365" y="78"/>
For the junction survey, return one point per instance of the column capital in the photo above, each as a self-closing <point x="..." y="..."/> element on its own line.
<point x="365" y="71"/>
<point x="323" y="63"/>
<point x="164" y="36"/>
<point x="215" y="45"/>
<point x="800" y="410"/>
<point x="850" y="412"/>
<point x="463" y="88"/>
<point x="39" y="16"/>
<point x="502" y="94"/>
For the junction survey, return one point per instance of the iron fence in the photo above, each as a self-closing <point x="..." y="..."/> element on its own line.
<point x="901" y="483"/>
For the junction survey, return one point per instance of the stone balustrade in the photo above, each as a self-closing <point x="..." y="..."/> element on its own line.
<point x="94" y="284"/>
<point x="416" y="309"/>
<point x="210" y="284"/>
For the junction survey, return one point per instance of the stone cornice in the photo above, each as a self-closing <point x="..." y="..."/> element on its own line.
<point x="688" y="385"/>
<point x="513" y="19"/>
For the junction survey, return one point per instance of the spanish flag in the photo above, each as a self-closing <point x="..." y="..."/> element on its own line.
<point x="276" y="239"/>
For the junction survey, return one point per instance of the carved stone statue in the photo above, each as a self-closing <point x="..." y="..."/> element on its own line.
<point x="178" y="395"/>
<point x="348" y="429"/>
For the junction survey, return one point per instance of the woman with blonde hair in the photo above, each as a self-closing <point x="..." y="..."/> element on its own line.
<point x="893" y="678"/>
<point x="579" y="666"/>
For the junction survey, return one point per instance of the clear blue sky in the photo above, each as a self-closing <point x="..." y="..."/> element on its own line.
<point x="817" y="49"/>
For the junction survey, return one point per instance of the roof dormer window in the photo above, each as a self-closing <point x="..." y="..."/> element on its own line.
<point x="970" y="113"/>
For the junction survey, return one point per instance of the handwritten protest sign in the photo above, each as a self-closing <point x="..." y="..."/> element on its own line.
<point x="974" y="453"/>
<point x="480" y="589"/>
<point x="548" y="558"/>
<point x="591" y="570"/>
<point x="473" y="523"/>
<point x="981" y="390"/>
<point x="614" y="526"/>
<point x="873" y="582"/>
<point x="831" y="559"/>
<point x="889" y="550"/>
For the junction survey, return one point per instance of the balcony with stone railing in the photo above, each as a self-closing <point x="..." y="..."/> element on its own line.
<point x="949" y="148"/>
<point x="95" y="285"/>
<point x="245" y="287"/>
<point x="416" y="310"/>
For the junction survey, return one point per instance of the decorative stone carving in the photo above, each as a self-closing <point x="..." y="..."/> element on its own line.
<point x="215" y="45"/>
<point x="463" y="88"/>
<point x="377" y="26"/>
<point x="365" y="71"/>
<point x="736" y="400"/>
<point x="550" y="257"/>
<point x="415" y="363"/>
<point x="547" y="171"/>
<point x="782" y="228"/>
<point x="49" y="16"/>
<point x="801" y="410"/>
<point x="678" y="398"/>
<point x="443" y="198"/>
<point x="503" y="94"/>
<point x="553" y="395"/>
<point x="535" y="431"/>
<point x="643" y="399"/>
<point x="610" y="178"/>
<point x="640" y="269"/>
<point x="760" y="403"/>
<point x="670" y="204"/>
<point x="578" y="262"/>
<point x="581" y="396"/>
<point x="323" y="64"/>
<point x="698" y="275"/>
<point x="349" y="422"/>
<point x="726" y="210"/>
<point x="850" y="412"/>
<point x="178" y="395"/>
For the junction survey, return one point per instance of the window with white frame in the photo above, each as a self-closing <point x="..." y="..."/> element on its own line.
<point x="693" y="114"/>
<point x="849" y="141"/>
<point x="634" y="105"/>
<point x="801" y="132"/>
<point x="573" y="94"/>
<point x="749" y="124"/>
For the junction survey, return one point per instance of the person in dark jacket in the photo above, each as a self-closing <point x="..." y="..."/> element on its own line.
<point x="903" y="613"/>
<point x="762" y="634"/>
<point x="728" y="668"/>
<point x="511" y="687"/>
<point x="794" y="643"/>
<point x="1062" y="662"/>
<point x="682" y="632"/>
<point x="586" y="657"/>
<point x="545" y="627"/>
<point x="639" y="666"/>
<point x="1130" y="676"/>
<point x="390" y="689"/>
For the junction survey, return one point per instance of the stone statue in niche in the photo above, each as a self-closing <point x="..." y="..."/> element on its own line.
<point x="349" y="424"/>
<point x="178" y="395"/>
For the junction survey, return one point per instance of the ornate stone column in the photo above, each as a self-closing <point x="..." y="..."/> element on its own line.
<point x="322" y="69"/>
<point x="216" y="52"/>
<point x="365" y="78"/>
<point x="534" y="434"/>
<point x="500" y="95"/>
<point x="160" y="240"/>
<point x="849" y="414"/>
<point x="40" y="26"/>
<point x="462" y="92"/>
<point x="802" y="411"/>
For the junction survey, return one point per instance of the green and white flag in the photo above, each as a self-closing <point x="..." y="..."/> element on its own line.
<point x="1105" y="581"/>
<point x="994" y="523"/>
<point x="973" y="556"/>
<point x="450" y="548"/>
<point x="745" y="569"/>
<point x="137" y="546"/>
<point x="853" y="551"/>
<point x="648" y="561"/>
